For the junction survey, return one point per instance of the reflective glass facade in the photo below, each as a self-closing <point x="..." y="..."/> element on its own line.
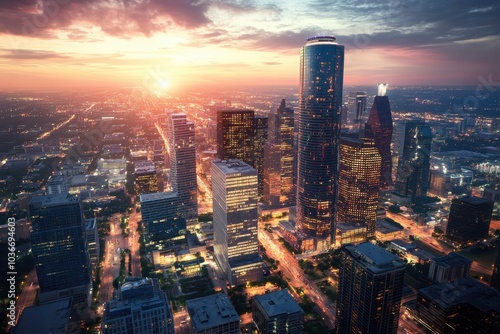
<point x="235" y="135"/>
<point x="321" y="82"/>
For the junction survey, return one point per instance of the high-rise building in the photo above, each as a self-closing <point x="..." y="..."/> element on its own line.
<point x="369" y="292"/>
<point x="236" y="247"/>
<point x="260" y="137"/>
<point x="320" y="101"/>
<point x="92" y="236"/>
<point x="469" y="219"/>
<point x="279" y="188"/>
<point x="380" y="121"/>
<point x="277" y="312"/>
<point x="59" y="248"/>
<point x="183" y="166"/>
<point x="449" y="267"/>
<point x="146" y="178"/>
<point x="213" y="314"/>
<point x="164" y="226"/>
<point x="140" y="307"/>
<point x="56" y="184"/>
<point x="235" y="135"/>
<point x="414" y="163"/>
<point x="356" y="107"/>
<point x="462" y="306"/>
<point x="359" y="177"/>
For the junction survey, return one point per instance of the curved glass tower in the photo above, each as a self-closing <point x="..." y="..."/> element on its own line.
<point x="321" y="81"/>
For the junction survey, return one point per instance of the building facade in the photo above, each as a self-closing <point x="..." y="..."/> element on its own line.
<point x="469" y="219"/>
<point x="141" y="307"/>
<point x="279" y="187"/>
<point x="277" y="313"/>
<point x="369" y="291"/>
<point x="59" y="248"/>
<point x="320" y="101"/>
<point x="236" y="247"/>
<point x="449" y="267"/>
<point x="260" y="124"/>
<point x="359" y="180"/>
<point x="380" y="121"/>
<point x="183" y="166"/>
<point x="235" y="135"/>
<point x="414" y="163"/>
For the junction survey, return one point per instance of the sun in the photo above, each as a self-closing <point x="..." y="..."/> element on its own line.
<point x="164" y="84"/>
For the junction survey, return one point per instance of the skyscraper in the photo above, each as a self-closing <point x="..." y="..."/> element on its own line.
<point x="320" y="100"/>
<point x="359" y="177"/>
<point x="260" y="139"/>
<point x="183" y="166"/>
<point x="279" y="189"/>
<point x="235" y="135"/>
<point x="59" y="248"/>
<point x="356" y="107"/>
<point x="469" y="219"/>
<point x="380" y="121"/>
<point x="236" y="247"/>
<point x="414" y="162"/>
<point x="370" y="287"/>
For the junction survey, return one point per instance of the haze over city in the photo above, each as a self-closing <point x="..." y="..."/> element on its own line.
<point x="68" y="44"/>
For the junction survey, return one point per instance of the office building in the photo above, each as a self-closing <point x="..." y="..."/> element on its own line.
<point x="348" y="233"/>
<point x="359" y="181"/>
<point x="369" y="291"/>
<point x="213" y="315"/>
<point x="495" y="276"/>
<point x="414" y="163"/>
<point x="59" y="248"/>
<point x="279" y="188"/>
<point x="92" y="238"/>
<point x="235" y="135"/>
<point x="146" y="178"/>
<point x="236" y="247"/>
<point x="277" y="312"/>
<point x="462" y="306"/>
<point x="469" y="219"/>
<point x="320" y="101"/>
<point x="183" y="166"/>
<point x="260" y="139"/>
<point x="449" y="267"/>
<point x="140" y="307"/>
<point x="50" y="317"/>
<point x="56" y="184"/>
<point x="355" y="110"/>
<point x="164" y="226"/>
<point x="380" y="121"/>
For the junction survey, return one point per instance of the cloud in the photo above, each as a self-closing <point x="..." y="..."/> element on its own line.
<point x="24" y="54"/>
<point x="271" y="63"/>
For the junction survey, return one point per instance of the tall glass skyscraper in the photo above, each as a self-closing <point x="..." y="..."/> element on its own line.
<point x="380" y="121"/>
<point x="59" y="248"/>
<point x="321" y="82"/>
<point x="183" y="165"/>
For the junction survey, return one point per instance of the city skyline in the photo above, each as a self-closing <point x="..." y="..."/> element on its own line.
<point x="68" y="44"/>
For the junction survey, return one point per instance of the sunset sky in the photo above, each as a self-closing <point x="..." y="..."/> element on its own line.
<point x="58" y="44"/>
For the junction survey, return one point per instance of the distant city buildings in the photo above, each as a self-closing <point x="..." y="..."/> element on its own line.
<point x="355" y="110"/>
<point x="236" y="247"/>
<point x="260" y="139"/>
<point x="140" y="307"/>
<point x="279" y="187"/>
<point x="213" y="315"/>
<point x="359" y="181"/>
<point x="183" y="166"/>
<point x="469" y="219"/>
<point x="320" y="100"/>
<point x="414" y="162"/>
<point x="381" y="128"/>
<point x="58" y="240"/>
<point x="462" y="306"/>
<point x="277" y="312"/>
<point x="369" y="290"/>
<point x="449" y="267"/>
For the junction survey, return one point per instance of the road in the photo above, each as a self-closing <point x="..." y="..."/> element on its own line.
<point x="297" y="278"/>
<point x="28" y="294"/>
<point x="133" y="244"/>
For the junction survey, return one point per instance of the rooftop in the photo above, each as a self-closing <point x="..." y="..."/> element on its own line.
<point x="451" y="260"/>
<point x="210" y="311"/>
<point x="52" y="317"/>
<point x="54" y="199"/>
<point x="158" y="196"/>
<point x="374" y="258"/>
<point x="277" y="303"/>
<point x="464" y="291"/>
<point x="233" y="166"/>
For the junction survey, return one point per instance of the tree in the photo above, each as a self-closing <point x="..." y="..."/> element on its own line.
<point x="394" y="209"/>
